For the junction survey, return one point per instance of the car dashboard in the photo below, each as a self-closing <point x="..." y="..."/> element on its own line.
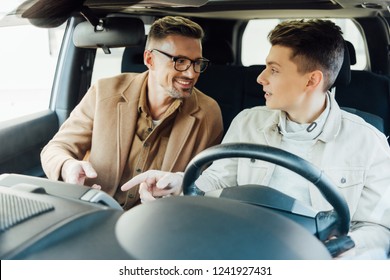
<point x="41" y="219"/>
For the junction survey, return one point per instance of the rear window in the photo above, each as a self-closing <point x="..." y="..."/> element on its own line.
<point x="255" y="45"/>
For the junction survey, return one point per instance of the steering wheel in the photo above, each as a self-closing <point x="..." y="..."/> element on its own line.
<point x="340" y="217"/>
<point x="202" y="227"/>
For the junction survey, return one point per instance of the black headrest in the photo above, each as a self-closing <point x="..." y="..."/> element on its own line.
<point x="114" y="32"/>
<point x="344" y="76"/>
<point x="133" y="59"/>
<point x="352" y="52"/>
<point x="219" y="52"/>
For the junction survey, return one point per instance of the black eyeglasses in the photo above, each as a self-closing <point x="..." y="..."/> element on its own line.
<point x="182" y="63"/>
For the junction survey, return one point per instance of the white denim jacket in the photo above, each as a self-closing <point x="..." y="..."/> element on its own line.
<point x="351" y="152"/>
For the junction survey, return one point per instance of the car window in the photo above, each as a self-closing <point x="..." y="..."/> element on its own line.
<point x="107" y="65"/>
<point x="256" y="32"/>
<point x="27" y="68"/>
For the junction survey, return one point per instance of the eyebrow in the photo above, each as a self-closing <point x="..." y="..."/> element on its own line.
<point x="273" y="63"/>
<point x="183" y="56"/>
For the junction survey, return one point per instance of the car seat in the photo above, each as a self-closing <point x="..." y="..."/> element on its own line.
<point x="367" y="93"/>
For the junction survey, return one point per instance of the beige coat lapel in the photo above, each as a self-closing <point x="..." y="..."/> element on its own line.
<point x="178" y="141"/>
<point x="181" y="144"/>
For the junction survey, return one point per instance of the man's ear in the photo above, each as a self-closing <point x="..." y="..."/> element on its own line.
<point x="315" y="79"/>
<point x="148" y="58"/>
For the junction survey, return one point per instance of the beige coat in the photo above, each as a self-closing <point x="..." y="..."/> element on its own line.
<point x="104" y="123"/>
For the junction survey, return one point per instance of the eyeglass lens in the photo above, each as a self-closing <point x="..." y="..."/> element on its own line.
<point x="182" y="64"/>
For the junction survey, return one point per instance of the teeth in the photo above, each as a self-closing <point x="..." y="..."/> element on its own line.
<point x="183" y="82"/>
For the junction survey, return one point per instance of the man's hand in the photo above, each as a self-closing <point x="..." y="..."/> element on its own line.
<point x="76" y="171"/>
<point x="155" y="184"/>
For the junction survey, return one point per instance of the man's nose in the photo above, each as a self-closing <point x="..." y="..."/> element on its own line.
<point x="261" y="78"/>
<point x="190" y="72"/>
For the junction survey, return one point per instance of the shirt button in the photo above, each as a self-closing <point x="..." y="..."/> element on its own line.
<point x="146" y="144"/>
<point x="253" y="160"/>
<point x="138" y="170"/>
<point x="343" y="180"/>
<point x="150" y="129"/>
<point x="130" y="195"/>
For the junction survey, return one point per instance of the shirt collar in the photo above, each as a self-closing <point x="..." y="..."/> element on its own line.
<point x="333" y="123"/>
<point x="303" y="132"/>
<point x="143" y="107"/>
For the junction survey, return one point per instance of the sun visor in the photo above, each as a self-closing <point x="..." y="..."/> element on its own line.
<point x="111" y="32"/>
<point x="48" y="13"/>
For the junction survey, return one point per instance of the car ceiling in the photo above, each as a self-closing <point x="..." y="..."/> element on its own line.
<point x="48" y="13"/>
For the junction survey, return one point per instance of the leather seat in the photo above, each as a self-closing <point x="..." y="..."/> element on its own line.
<point x="366" y="92"/>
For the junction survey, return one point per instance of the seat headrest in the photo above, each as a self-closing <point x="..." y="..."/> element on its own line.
<point x="352" y="52"/>
<point x="344" y="76"/>
<point x="133" y="59"/>
<point x="219" y="52"/>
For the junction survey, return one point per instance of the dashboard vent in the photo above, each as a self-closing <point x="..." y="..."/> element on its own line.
<point x="15" y="210"/>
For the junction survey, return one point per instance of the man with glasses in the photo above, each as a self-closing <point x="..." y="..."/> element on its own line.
<point x="134" y="122"/>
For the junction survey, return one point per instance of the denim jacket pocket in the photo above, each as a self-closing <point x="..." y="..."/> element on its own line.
<point x="252" y="171"/>
<point x="350" y="183"/>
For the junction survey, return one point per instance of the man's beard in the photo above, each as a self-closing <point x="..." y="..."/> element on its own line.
<point x="176" y="94"/>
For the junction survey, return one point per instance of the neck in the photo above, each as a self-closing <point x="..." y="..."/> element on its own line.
<point x="309" y="111"/>
<point x="158" y="104"/>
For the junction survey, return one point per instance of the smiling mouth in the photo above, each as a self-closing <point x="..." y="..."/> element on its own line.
<point x="184" y="83"/>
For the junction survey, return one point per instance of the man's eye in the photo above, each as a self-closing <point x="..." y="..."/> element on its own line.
<point x="181" y="60"/>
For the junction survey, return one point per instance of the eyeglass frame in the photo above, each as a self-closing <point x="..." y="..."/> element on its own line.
<point x="175" y="58"/>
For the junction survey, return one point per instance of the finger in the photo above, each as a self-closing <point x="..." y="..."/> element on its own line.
<point x="71" y="171"/>
<point x="136" y="180"/>
<point x="96" y="186"/>
<point x="156" y="192"/>
<point x="145" y="194"/>
<point x="75" y="177"/>
<point x="88" y="169"/>
<point x="140" y="178"/>
<point x="171" y="181"/>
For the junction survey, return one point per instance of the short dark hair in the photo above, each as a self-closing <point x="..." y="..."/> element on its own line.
<point x="315" y="44"/>
<point x="174" y="25"/>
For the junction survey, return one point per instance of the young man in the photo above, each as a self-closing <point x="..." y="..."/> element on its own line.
<point x="134" y="122"/>
<point x="302" y="117"/>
